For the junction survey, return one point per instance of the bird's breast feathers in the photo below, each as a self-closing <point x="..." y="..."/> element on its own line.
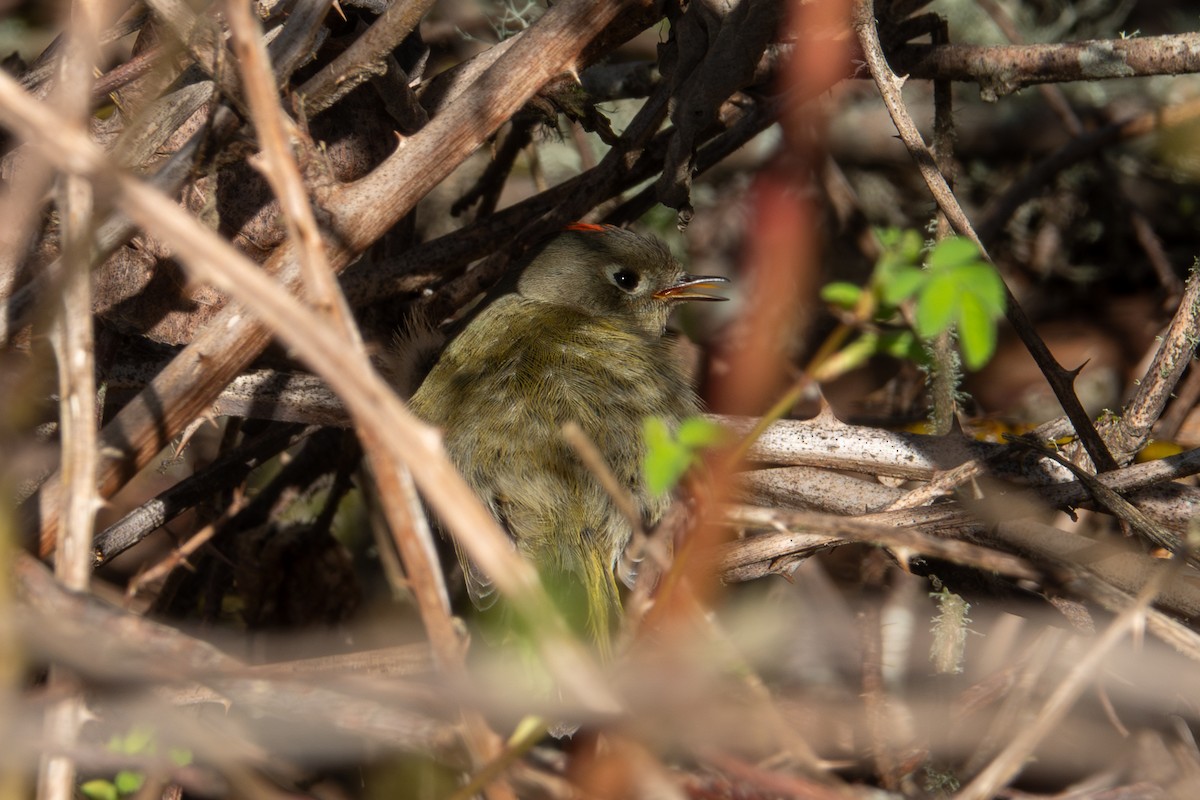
<point x="532" y="367"/>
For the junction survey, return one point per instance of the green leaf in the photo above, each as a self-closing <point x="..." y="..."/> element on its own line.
<point x="984" y="282"/>
<point x="656" y="432"/>
<point x="669" y="456"/>
<point x="99" y="789"/>
<point x="889" y="239"/>
<point x="139" y="739"/>
<point x="841" y="294"/>
<point x="128" y="781"/>
<point x="976" y="332"/>
<point x="664" y="467"/>
<point x="909" y="246"/>
<point x="952" y="253"/>
<point x="902" y="284"/>
<point x="180" y="756"/>
<point x="902" y="345"/>
<point x="696" y="433"/>
<point x="900" y="249"/>
<point x="666" y="460"/>
<point x="936" y="305"/>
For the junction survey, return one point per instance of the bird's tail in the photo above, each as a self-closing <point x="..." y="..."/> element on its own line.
<point x="586" y="595"/>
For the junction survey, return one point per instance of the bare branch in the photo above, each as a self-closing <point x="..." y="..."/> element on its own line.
<point x="1002" y="70"/>
<point x="1177" y="349"/>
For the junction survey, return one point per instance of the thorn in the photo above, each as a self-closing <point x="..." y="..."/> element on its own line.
<point x="956" y="427"/>
<point x="1074" y="373"/>
<point x="902" y="556"/>
<point x="190" y="431"/>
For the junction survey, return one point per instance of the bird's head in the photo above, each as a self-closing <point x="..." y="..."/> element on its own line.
<point x="613" y="273"/>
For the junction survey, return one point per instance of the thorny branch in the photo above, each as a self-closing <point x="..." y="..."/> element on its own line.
<point x="1060" y="379"/>
<point x="816" y="486"/>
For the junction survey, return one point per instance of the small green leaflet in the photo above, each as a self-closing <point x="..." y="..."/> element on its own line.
<point x="669" y="456"/>
<point x="955" y="288"/>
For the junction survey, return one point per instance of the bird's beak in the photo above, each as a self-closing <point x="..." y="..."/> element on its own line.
<point x="692" y="287"/>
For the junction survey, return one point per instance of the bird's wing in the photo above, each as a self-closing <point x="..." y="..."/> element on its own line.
<point x="480" y="587"/>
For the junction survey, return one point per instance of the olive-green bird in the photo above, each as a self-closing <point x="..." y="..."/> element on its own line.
<point x="575" y="335"/>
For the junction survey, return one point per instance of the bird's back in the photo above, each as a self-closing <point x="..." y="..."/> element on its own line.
<point x="502" y="392"/>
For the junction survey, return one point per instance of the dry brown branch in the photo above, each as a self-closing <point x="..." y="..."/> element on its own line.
<point x="275" y="133"/>
<point x="1052" y="93"/>
<point x="1122" y="509"/>
<point x="824" y="441"/>
<point x="809" y="534"/>
<point x="360" y="213"/>
<point x="258" y="394"/>
<point x="1076" y="558"/>
<point x="1012" y="758"/>
<point x="1002" y="70"/>
<point x="367" y="56"/>
<point x="60" y="622"/>
<point x="1176" y="350"/>
<point x="817" y="489"/>
<point x="814" y="681"/>
<point x="178" y="557"/>
<point x="74" y="347"/>
<point x="382" y="420"/>
<point x="1035" y="179"/>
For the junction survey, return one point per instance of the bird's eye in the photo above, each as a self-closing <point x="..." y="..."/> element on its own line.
<point x="627" y="279"/>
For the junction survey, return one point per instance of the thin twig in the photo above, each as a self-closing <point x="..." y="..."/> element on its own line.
<point x="179" y="555"/>
<point x="889" y="87"/>
<point x="940" y="485"/>
<point x="200" y="34"/>
<point x="997" y="213"/>
<point x="1156" y="254"/>
<point x="1010" y="760"/>
<point x="74" y="346"/>
<point x="1177" y="349"/>
<point x="281" y="171"/>
<point x="367" y="56"/>
<point x="947" y="370"/>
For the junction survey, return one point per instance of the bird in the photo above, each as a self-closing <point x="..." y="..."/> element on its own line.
<point x="574" y="335"/>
